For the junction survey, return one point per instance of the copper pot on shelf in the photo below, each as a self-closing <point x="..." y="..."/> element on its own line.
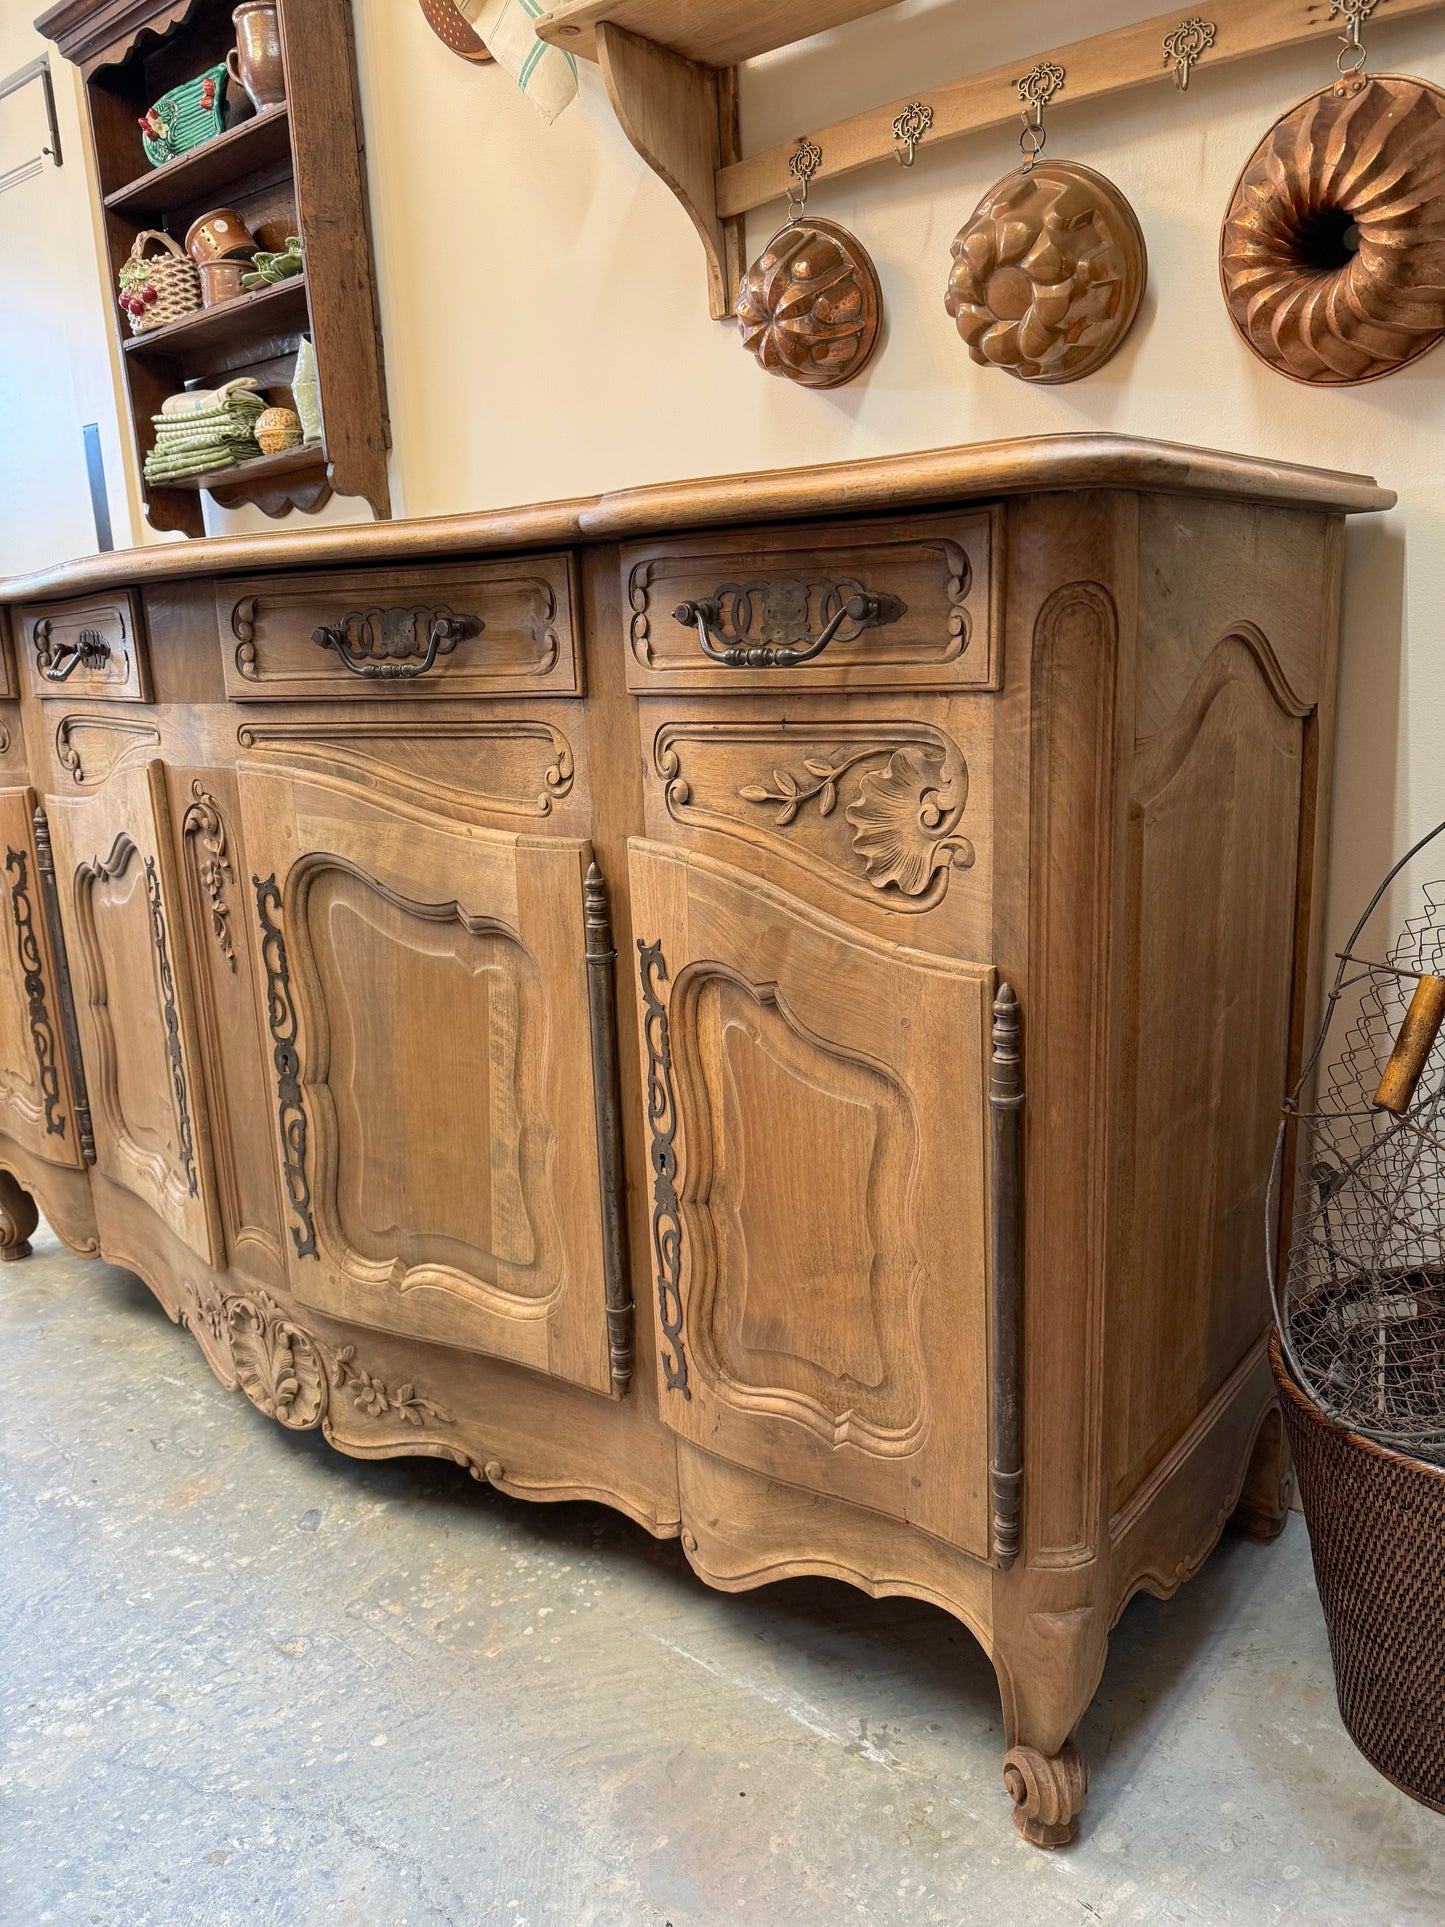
<point x="256" y="59"/>
<point x="221" y="281"/>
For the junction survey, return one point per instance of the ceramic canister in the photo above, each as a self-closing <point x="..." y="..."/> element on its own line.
<point x="218" y="236"/>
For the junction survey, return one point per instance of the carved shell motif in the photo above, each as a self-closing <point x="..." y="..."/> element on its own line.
<point x="1332" y="254"/>
<point x="903" y="821"/>
<point x="810" y="307"/>
<point x="1048" y="273"/>
<point x="277" y="1366"/>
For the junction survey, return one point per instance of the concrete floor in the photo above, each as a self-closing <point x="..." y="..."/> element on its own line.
<point x="246" y="1680"/>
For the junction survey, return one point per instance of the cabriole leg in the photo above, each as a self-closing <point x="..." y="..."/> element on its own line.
<point x="18" y="1218"/>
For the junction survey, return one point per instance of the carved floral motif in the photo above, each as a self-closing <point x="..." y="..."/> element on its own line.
<point x="287" y="1372"/>
<point x="903" y="817"/>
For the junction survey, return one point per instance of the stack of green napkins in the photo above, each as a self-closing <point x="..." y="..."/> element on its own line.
<point x="205" y="428"/>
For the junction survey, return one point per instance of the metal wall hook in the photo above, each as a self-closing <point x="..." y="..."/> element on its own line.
<point x="1184" y="45"/>
<point x="1036" y="89"/>
<point x="1352" y="57"/>
<point x="803" y="163"/>
<point x="909" y="128"/>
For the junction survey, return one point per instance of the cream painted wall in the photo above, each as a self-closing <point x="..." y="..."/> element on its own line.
<point x="542" y="309"/>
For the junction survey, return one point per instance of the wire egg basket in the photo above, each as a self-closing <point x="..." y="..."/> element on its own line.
<point x="1361" y="1305"/>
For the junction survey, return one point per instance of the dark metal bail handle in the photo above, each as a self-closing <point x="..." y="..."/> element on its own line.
<point x="864" y="609"/>
<point x="445" y="632"/>
<point x="90" y="650"/>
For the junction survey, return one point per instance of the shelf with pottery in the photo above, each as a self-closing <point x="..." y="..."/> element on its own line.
<point x="196" y="177"/>
<point x="276" y="159"/>
<point x="248" y="320"/>
<point x="671" y="78"/>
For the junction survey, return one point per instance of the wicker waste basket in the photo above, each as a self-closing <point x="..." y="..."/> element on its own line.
<point x="1376" y="1522"/>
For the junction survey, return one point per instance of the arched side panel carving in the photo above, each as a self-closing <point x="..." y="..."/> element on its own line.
<point x="1209" y="955"/>
<point x="824" y="1277"/>
<point x="1074" y="667"/>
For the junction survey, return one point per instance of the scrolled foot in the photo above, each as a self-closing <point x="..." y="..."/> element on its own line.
<point x="1048" y="1791"/>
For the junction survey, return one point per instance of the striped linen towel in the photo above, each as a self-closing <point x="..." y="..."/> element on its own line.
<point x="545" y="74"/>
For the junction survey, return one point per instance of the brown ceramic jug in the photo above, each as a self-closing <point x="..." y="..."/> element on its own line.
<point x="255" y="60"/>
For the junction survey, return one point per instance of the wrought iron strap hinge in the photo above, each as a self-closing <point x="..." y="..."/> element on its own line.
<point x="65" y="996"/>
<point x="662" y="1125"/>
<point x="173" y="1026"/>
<point x="602" y="1000"/>
<point x="27" y="950"/>
<point x="1006" y="1106"/>
<point x="395" y="645"/>
<point x="725" y="620"/>
<point x="281" y="1022"/>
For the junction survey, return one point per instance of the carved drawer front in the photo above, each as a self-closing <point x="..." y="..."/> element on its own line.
<point x="899" y="604"/>
<point x="38" y="1093"/>
<point x="469" y="629"/>
<point x="816" y="1109"/>
<point x="436" y="1064"/>
<point x="92" y="648"/>
<point x="122" y="912"/>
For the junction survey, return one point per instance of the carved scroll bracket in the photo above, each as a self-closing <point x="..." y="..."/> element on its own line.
<point x="205" y="835"/>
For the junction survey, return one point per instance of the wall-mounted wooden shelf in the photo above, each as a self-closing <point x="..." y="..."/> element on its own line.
<point x="296" y="168"/>
<point x="671" y="76"/>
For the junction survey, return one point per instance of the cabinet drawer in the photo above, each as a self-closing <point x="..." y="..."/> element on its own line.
<point x="469" y="629"/>
<point x="898" y="604"/>
<point x="89" y="648"/>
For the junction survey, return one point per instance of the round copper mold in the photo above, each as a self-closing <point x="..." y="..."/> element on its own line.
<point x="450" y="24"/>
<point x="810" y="307"/>
<point x="1048" y="273"/>
<point x="1332" y="254"/>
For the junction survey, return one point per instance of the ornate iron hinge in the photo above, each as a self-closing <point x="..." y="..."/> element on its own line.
<point x="1006" y="1106"/>
<point x="662" y="1123"/>
<point x="69" y="1029"/>
<point x="395" y="645"/>
<point x="602" y="998"/>
<point x="724" y="620"/>
<point x="173" y="1025"/>
<point x="281" y="1022"/>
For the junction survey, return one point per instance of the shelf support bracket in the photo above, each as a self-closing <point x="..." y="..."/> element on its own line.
<point x="683" y="121"/>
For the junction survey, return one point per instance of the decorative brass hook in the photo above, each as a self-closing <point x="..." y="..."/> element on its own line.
<point x="910" y="127"/>
<point x="803" y="163"/>
<point x="1184" y="45"/>
<point x="1036" y="90"/>
<point x="1352" y="56"/>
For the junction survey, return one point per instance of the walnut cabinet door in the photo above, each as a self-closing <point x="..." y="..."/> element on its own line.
<point x="429" y="1031"/>
<point x="816" y="1108"/>
<point x="37" y="1092"/>
<point x="120" y="909"/>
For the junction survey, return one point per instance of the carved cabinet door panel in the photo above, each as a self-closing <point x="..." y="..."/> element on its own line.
<point x="121" y="912"/>
<point x="816" y="1112"/>
<point x="37" y="1097"/>
<point x="428" y="1026"/>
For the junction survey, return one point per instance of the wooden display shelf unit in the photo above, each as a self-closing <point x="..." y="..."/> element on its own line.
<point x="671" y="77"/>
<point x="296" y="168"/>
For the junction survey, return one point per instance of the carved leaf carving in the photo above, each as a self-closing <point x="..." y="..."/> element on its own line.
<point x="904" y="818"/>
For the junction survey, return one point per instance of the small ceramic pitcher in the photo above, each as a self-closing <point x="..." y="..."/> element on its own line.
<point x="255" y="60"/>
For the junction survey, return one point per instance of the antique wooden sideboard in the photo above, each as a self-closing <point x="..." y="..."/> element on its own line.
<point x="862" y="917"/>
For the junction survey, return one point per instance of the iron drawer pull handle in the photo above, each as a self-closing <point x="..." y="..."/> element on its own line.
<point x="90" y="650"/>
<point x="369" y="643"/>
<point x="724" y="619"/>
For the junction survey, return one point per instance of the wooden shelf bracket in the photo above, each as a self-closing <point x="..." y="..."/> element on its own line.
<point x="683" y="121"/>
